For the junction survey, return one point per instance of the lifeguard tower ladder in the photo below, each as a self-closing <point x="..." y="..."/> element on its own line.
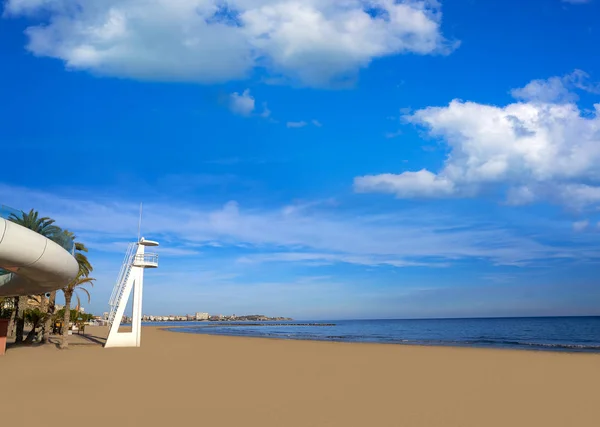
<point x="131" y="277"/>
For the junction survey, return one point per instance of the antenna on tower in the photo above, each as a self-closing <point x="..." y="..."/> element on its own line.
<point x="140" y="223"/>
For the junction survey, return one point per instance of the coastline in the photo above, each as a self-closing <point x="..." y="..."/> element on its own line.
<point x="181" y="378"/>
<point x="512" y="333"/>
<point x="173" y="329"/>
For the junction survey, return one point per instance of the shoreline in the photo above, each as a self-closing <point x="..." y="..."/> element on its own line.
<point x="558" y="350"/>
<point x="229" y="325"/>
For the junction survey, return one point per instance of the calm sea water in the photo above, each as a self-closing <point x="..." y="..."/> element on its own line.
<point x="576" y="334"/>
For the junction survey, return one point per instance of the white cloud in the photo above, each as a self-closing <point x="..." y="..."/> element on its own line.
<point x="266" y="112"/>
<point x="409" y="184"/>
<point x="303" y="123"/>
<point x="242" y="104"/>
<point x="402" y="239"/>
<point x="521" y="195"/>
<point x="550" y="90"/>
<point x="542" y="149"/>
<point x="556" y="89"/>
<point x="305" y="206"/>
<point x="579" y="195"/>
<point x="330" y="258"/>
<point x="296" y="124"/>
<point x="581" y="225"/>
<point x="311" y="41"/>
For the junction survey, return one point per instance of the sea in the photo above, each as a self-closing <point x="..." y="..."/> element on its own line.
<point x="564" y="334"/>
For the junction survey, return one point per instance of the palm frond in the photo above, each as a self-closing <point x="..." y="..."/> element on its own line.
<point x="85" y="267"/>
<point x="31" y="220"/>
<point x="78" y="306"/>
<point x="89" y="297"/>
<point x="77" y="282"/>
<point x="80" y="247"/>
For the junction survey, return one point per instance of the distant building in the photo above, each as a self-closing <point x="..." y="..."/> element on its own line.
<point x="202" y="316"/>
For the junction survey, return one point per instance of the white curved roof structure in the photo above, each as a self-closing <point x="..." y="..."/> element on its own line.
<point x="32" y="264"/>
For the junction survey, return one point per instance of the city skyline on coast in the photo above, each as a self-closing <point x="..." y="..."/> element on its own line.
<point x="408" y="159"/>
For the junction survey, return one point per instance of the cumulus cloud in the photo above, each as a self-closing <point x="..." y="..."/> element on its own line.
<point x="242" y="104"/>
<point x="542" y="148"/>
<point x="310" y="41"/>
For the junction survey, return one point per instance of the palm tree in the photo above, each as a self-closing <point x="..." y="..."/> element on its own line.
<point x="44" y="226"/>
<point x="13" y="316"/>
<point x="20" y="319"/>
<point x="85" y="268"/>
<point x="47" y="326"/>
<point x="41" y="225"/>
<point x="35" y="317"/>
<point x="70" y="290"/>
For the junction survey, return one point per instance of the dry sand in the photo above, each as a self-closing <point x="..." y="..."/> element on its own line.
<point x="178" y="379"/>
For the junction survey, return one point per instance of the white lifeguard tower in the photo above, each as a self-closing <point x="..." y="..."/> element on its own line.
<point x="131" y="277"/>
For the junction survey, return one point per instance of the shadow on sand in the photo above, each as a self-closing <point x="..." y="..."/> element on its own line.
<point x="55" y="340"/>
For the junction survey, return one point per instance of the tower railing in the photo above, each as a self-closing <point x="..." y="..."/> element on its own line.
<point x="146" y="260"/>
<point x="119" y="287"/>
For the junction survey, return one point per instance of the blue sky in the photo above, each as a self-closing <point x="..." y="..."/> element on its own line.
<point x="317" y="159"/>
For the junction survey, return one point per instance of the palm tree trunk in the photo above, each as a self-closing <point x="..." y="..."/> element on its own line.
<point x="44" y="310"/>
<point x="48" y="323"/>
<point x="31" y="334"/>
<point x="13" y="317"/>
<point x="66" y="319"/>
<point x="20" y="320"/>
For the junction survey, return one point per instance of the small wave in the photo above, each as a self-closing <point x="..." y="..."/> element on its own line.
<point x="534" y="344"/>
<point x="567" y="346"/>
<point x="478" y="341"/>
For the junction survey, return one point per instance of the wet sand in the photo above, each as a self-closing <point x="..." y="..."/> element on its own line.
<point x="178" y="379"/>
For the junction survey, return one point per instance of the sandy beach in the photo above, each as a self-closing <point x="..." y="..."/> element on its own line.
<point x="178" y="379"/>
